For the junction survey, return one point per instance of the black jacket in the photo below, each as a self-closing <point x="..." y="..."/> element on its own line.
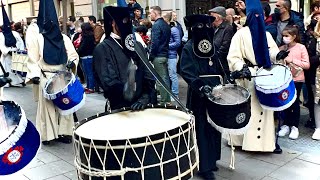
<point x="86" y="46"/>
<point x="111" y="64"/>
<point x="160" y="37"/>
<point x="208" y="139"/>
<point x="222" y="39"/>
<point x="296" y="18"/>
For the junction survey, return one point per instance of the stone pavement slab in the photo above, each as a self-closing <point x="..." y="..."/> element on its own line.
<point x="297" y="170"/>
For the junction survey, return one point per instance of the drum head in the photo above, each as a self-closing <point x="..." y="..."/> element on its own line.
<point x="58" y="82"/>
<point x="230" y="94"/>
<point x="280" y="76"/>
<point x="129" y="125"/>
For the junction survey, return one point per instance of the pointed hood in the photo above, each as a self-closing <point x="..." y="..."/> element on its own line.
<point x="255" y="22"/>
<point x="54" y="51"/>
<point x="10" y="40"/>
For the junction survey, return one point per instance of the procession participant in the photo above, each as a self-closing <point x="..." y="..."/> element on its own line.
<point x="124" y="79"/>
<point x="50" y="51"/>
<point x="10" y="41"/>
<point x="198" y="59"/>
<point x="253" y="45"/>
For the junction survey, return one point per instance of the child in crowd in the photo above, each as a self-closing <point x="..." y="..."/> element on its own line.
<point x="297" y="60"/>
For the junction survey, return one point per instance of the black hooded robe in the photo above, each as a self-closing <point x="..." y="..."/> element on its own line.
<point x="208" y="138"/>
<point x="111" y="64"/>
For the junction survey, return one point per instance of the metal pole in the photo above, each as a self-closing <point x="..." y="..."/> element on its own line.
<point x="65" y="15"/>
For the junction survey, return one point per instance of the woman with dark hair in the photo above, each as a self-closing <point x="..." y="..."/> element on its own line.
<point x="85" y="52"/>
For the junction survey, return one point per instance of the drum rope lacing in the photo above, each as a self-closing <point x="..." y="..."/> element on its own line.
<point x="107" y="173"/>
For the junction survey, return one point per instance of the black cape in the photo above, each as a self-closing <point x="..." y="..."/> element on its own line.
<point x="208" y="139"/>
<point x="111" y="64"/>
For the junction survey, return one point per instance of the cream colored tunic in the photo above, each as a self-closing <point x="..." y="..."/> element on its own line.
<point x="261" y="133"/>
<point x="48" y="121"/>
<point x="6" y="59"/>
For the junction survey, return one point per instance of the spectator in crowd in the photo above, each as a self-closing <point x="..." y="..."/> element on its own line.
<point x="159" y="49"/>
<point x="71" y="26"/>
<point x="268" y="19"/>
<point x="76" y="40"/>
<point x="312" y="36"/>
<point x="316" y="86"/>
<point x="142" y="31"/>
<point x="174" y="44"/>
<point x="137" y="17"/>
<point x="240" y="17"/>
<point x="222" y="37"/>
<point x="179" y="51"/>
<point x="97" y="29"/>
<point x="297" y="60"/>
<point x="283" y="16"/>
<point x="81" y="20"/>
<point x="101" y="23"/>
<point x="314" y="8"/>
<point x="148" y="24"/>
<point x="85" y="52"/>
<point x="230" y="14"/>
<point x="133" y="4"/>
<point x="18" y="27"/>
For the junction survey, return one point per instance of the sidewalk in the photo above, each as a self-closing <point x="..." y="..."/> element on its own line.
<point x="300" y="159"/>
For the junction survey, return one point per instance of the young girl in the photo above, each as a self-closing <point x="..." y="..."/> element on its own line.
<point x="297" y="60"/>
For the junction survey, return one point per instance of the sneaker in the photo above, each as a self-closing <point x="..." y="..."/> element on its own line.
<point x="294" y="134"/>
<point x="316" y="134"/>
<point x="88" y="91"/>
<point x="284" y="130"/>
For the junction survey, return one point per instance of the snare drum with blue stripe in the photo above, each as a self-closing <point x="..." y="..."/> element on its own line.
<point x="277" y="91"/>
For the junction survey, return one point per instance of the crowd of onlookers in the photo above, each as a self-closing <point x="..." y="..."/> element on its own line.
<point x="165" y="37"/>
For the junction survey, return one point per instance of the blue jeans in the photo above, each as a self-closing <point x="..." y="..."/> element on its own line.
<point x="161" y="66"/>
<point x="88" y="71"/>
<point x="172" y="67"/>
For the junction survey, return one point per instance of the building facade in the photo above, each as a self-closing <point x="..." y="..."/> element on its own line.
<point x="23" y="9"/>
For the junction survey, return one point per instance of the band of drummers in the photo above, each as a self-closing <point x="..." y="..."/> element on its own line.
<point x="248" y="72"/>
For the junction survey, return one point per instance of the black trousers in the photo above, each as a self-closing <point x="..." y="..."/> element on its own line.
<point x="292" y="114"/>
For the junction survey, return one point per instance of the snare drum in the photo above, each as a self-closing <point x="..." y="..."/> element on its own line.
<point x="230" y="110"/>
<point x="19" y="62"/>
<point x="65" y="91"/>
<point x="275" y="92"/>
<point x="155" y="144"/>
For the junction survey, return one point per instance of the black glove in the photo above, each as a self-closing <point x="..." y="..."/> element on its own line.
<point x="4" y="81"/>
<point x="70" y="65"/>
<point x="282" y="54"/>
<point x="243" y="73"/>
<point x="207" y="91"/>
<point x="141" y="103"/>
<point x="36" y="80"/>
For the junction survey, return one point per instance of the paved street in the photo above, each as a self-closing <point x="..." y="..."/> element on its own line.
<point x="299" y="161"/>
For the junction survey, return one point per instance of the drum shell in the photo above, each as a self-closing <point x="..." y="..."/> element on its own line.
<point x="227" y="116"/>
<point x="137" y="147"/>
<point x="278" y="98"/>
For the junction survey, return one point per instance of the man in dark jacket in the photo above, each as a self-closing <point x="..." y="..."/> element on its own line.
<point x="283" y="16"/>
<point x="222" y="36"/>
<point x="125" y="80"/>
<point x="159" y="49"/>
<point x="133" y="4"/>
<point x="197" y="60"/>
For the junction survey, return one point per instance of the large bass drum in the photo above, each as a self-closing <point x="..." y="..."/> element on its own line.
<point x="157" y="143"/>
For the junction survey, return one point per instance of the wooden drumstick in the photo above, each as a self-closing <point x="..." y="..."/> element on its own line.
<point x="262" y="75"/>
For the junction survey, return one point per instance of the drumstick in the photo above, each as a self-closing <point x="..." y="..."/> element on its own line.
<point x="262" y="75"/>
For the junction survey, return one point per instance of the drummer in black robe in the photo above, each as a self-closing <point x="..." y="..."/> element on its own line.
<point x="199" y="58"/>
<point x="125" y="80"/>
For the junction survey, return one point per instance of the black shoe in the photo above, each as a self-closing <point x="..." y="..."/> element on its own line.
<point x="310" y="124"/>
<point x="277" y="151"/>
<point x="65" y="139"/>
<point x="46" y="143"/>
<point x="23" y="84"/>
<point x="208" y="175"/>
